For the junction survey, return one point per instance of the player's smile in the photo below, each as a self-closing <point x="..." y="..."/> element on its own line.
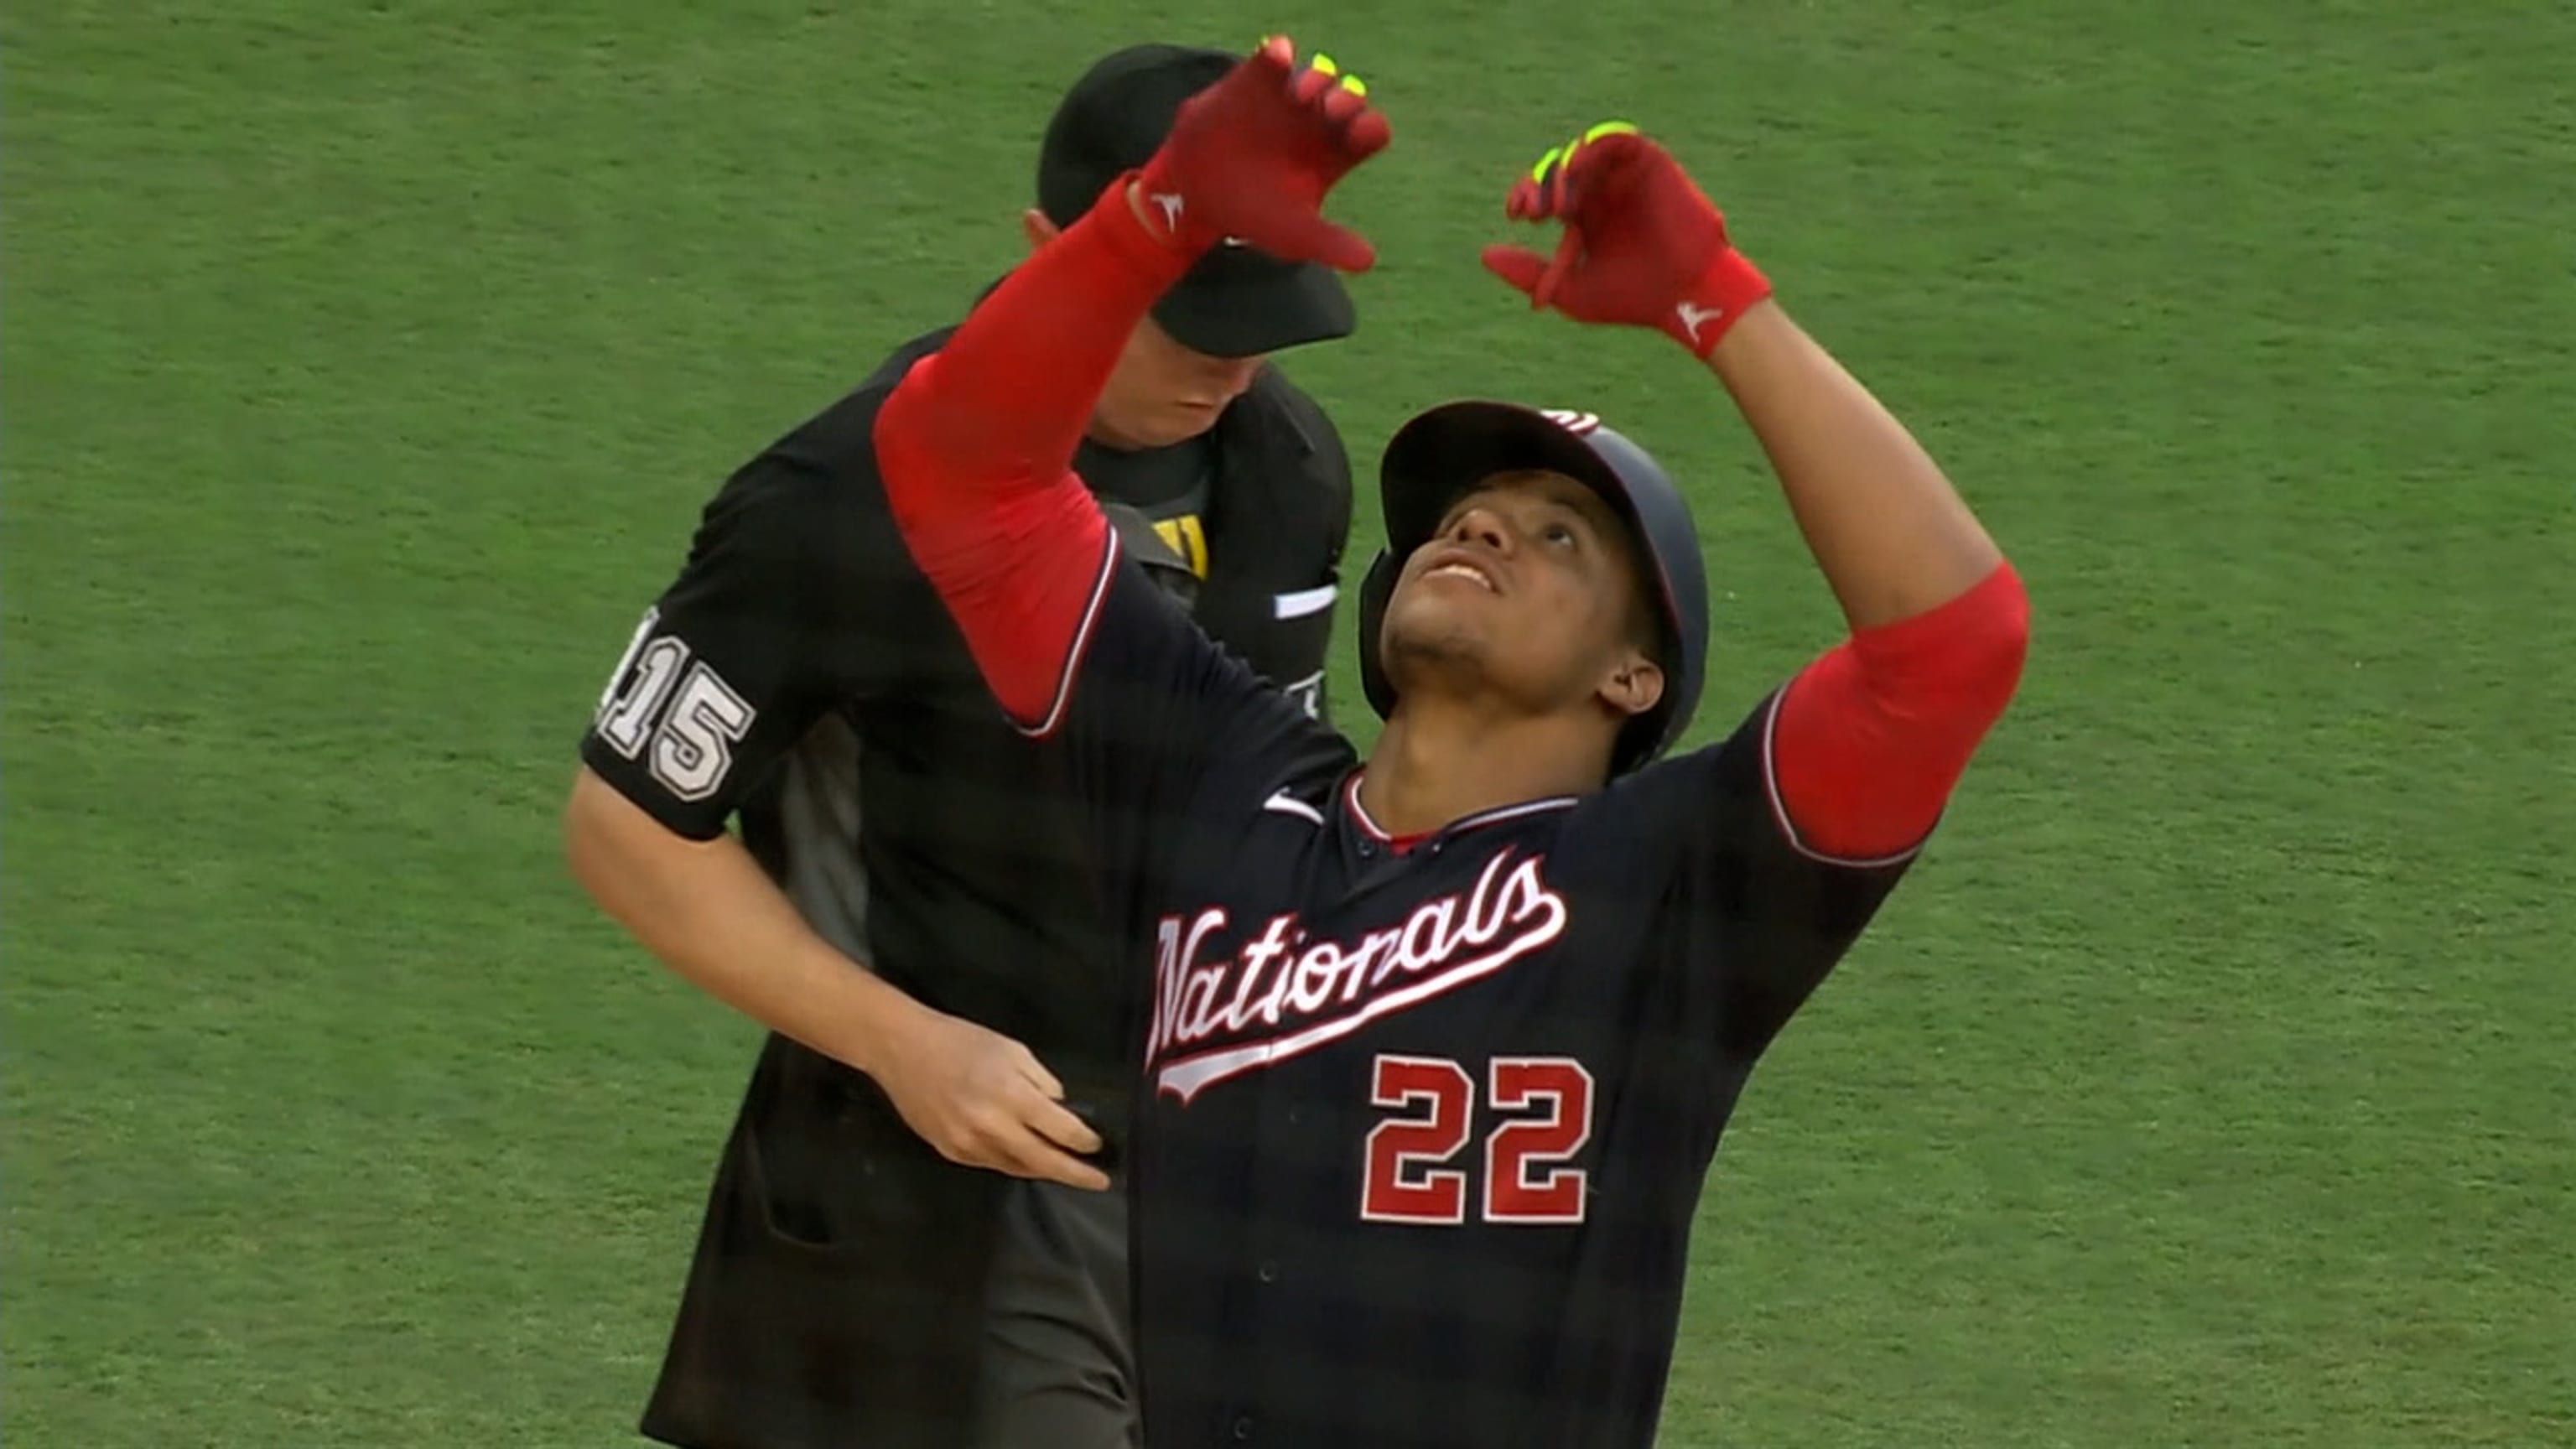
<point x="1459" y="561"/>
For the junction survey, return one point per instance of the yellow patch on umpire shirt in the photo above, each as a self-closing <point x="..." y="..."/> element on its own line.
<point x="1188" y="539"/>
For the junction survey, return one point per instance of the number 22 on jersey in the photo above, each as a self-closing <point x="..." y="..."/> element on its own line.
<point x="1523" y="1174"/>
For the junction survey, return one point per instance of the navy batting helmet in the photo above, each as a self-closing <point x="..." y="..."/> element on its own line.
<point x="1440" y="455"/>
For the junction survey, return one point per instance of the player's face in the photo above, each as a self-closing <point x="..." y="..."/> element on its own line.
<point x="1162" y="393"/>
<point x="1528" y="590"/>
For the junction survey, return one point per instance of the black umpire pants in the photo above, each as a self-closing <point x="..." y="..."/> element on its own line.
<point x="1058" y="1369"/>
<point x="853" y="1290"/>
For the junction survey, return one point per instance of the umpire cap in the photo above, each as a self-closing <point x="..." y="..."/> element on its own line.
<point x="1237" y="301"/>
<point x="1441" y="454"/>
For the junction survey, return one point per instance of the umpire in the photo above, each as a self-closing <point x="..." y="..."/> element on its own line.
<point x="908" y="1242"/>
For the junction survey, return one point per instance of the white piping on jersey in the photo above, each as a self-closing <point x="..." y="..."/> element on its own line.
<point x="1302" y="602"/>
<point x="1377" y="832"/>
<point x="1780" y="807"/>
<point x="1081" y="643"/>
<point x="1283" y="803"/>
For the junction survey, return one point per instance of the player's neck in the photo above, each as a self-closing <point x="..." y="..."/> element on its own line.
<point x="1433" y="766"/>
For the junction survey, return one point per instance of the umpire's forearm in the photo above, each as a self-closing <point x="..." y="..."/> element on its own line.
<point x="707" y="911"/>
<point x="1892" y="536"/>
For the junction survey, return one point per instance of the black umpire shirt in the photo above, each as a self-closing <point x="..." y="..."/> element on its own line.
<point x="802" y="677"/>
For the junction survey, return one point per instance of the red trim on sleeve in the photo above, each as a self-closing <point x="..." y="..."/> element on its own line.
<point x="976" y="449"/>
<point x="1868" y="742"/>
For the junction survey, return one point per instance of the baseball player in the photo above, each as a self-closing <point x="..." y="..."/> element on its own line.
<point x="1440" y="1045"/>
<point x="859" y="1278"/>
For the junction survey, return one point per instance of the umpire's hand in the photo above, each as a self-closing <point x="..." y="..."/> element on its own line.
<point x="983" y="1100"/>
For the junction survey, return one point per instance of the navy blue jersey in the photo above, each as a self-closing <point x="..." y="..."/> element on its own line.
<point x="1421" y="1132"/>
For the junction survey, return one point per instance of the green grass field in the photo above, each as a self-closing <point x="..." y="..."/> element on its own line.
<point x="366" y="365"/>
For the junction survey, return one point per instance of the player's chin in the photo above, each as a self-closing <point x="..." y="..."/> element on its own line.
<point x="1425" y="629"/>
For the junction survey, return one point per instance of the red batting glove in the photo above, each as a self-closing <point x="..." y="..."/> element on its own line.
<point x="1249" y="160"/>
<point x="1642" y="245"/>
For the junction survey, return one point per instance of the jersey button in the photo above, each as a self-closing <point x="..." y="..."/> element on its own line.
<point x="1268" y="1272"/>
<point x="1243" y="1430"/>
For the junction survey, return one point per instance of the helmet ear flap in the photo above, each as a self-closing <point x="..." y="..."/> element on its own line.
<point x="1377" y="588"/>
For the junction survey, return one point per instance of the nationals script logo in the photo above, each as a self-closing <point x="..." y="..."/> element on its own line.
<point x="1285" y="993"/>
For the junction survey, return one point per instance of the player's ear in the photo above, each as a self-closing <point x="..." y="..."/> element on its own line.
<point x="1634" y="685"/>
<point x="1037" y="228"/>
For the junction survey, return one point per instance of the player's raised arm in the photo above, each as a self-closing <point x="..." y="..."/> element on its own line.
<point x="977" y="442"/>
<point x="1868" y="741"/>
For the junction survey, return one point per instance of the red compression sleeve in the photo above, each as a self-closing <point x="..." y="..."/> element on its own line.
<point x="976" y="447"/>
<point x="1870" y="739"/>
